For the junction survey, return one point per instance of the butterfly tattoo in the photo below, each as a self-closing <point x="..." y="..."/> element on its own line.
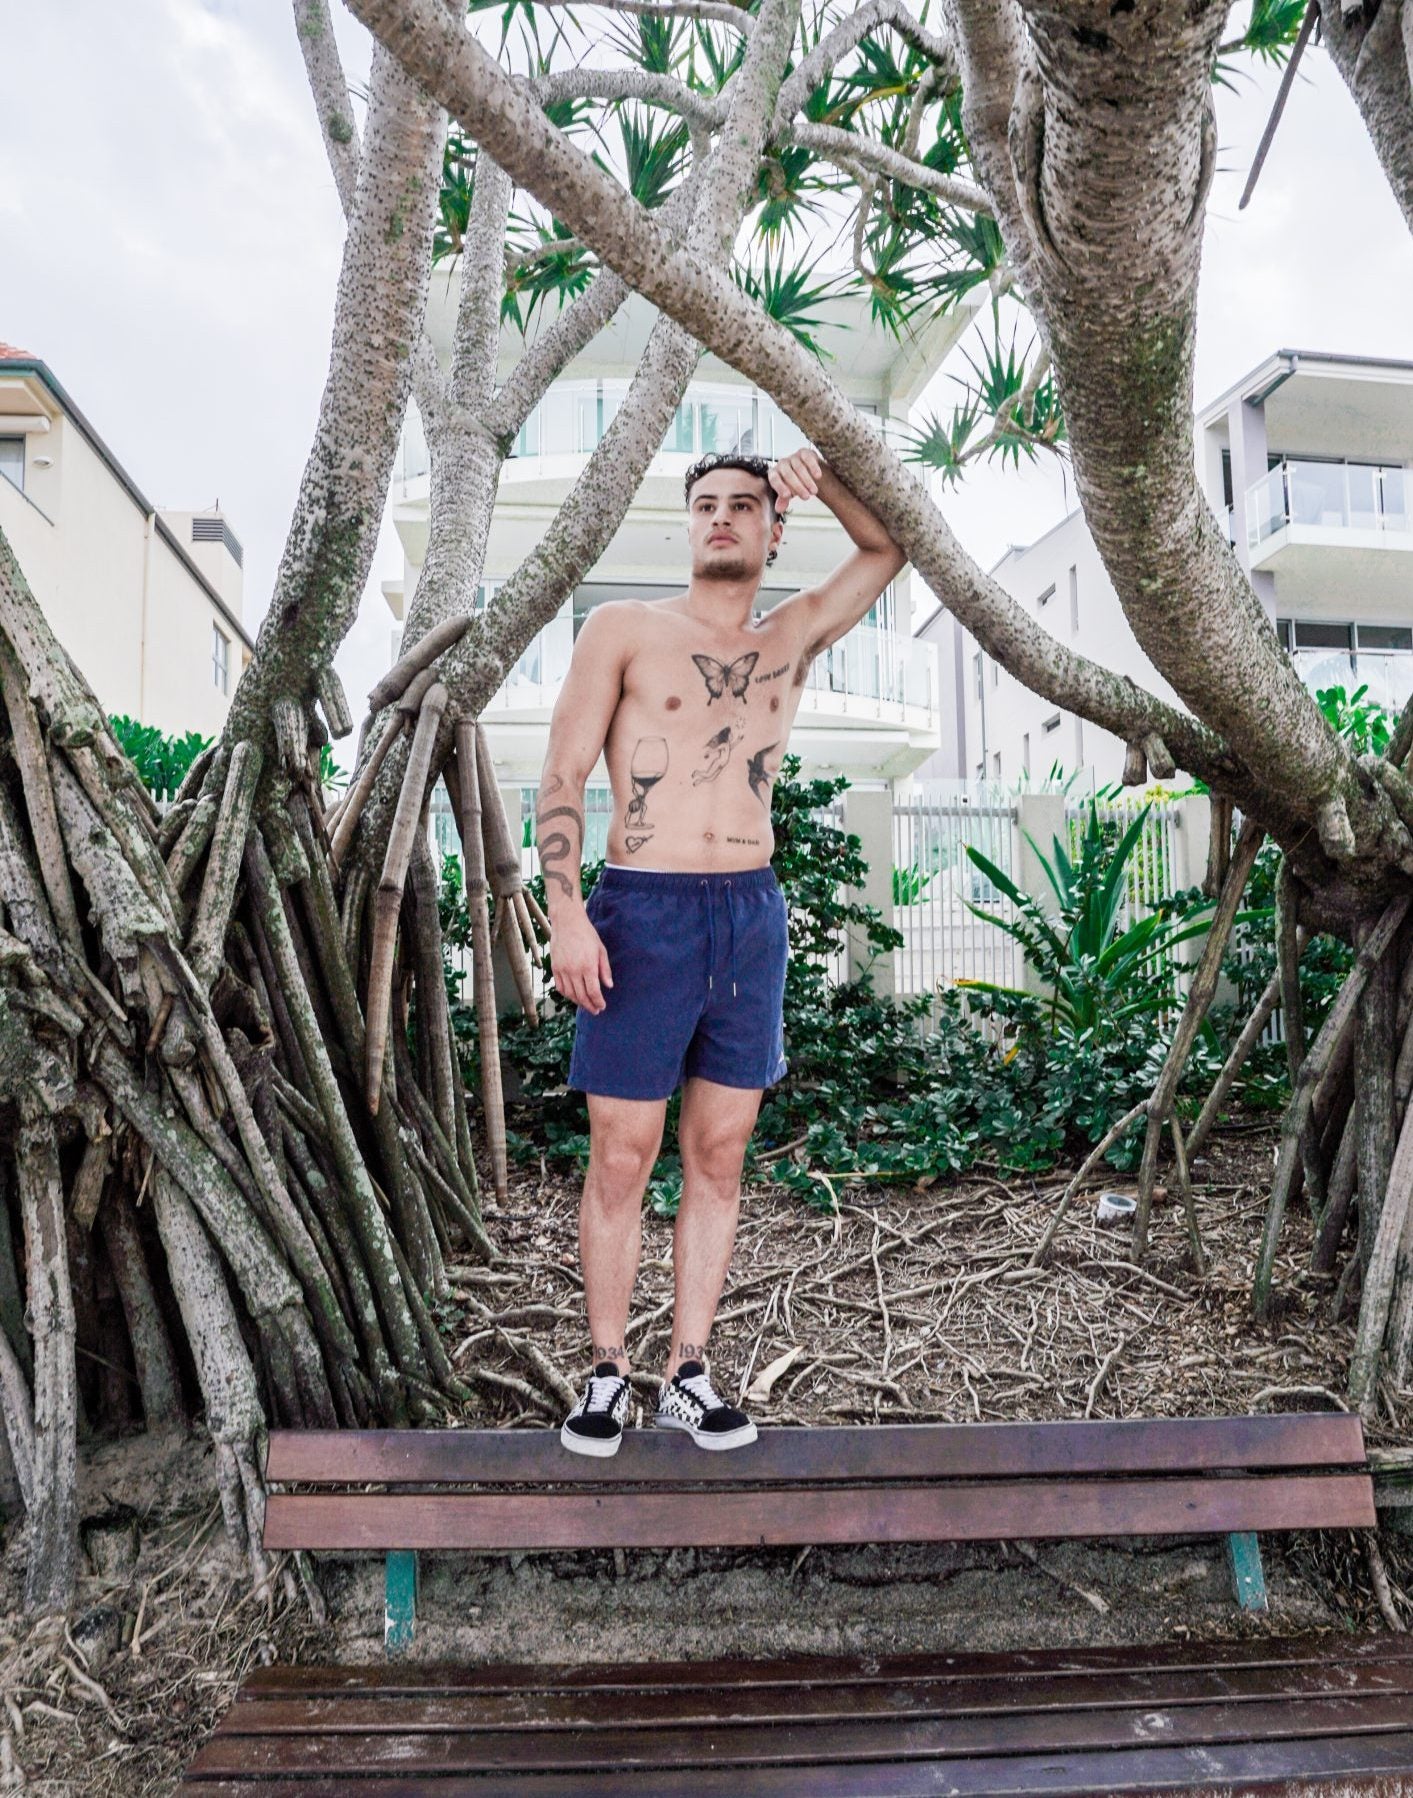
<point x="723" y="677"/>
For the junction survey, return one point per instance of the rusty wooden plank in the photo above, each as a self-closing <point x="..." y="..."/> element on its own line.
<point x="1113" y="1690"/>
<point x="1290" y="1723"/>
<point x="433" y="1678"/>
<point x="847" y="1453"/>
<point x="954" y="1513"/>
<point x="1373" y="1764"/>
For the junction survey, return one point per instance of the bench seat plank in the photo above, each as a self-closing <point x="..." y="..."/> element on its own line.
<point x="433" y="1678"/>
<point x="953" y="1513"/>
<point x="1372" y="1764"/>
<point x="1281" y="1715"/>
<point x="829" y="1700"/>
<point x="805" y="1743"/>
<point x="848" y="1453"/>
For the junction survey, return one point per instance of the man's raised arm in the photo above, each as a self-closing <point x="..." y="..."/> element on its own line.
<point x="843" y="597"/>
<point x="582" y="715"/>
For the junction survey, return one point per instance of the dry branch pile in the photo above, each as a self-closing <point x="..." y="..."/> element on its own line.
<point x="905" y="1307"/>
<point x="206" y="1136"/>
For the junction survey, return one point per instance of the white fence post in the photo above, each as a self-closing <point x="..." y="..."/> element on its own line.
<point x="1040" y="818"/>
<point x="869" y="817"/>
<point x="1192" y="829"/>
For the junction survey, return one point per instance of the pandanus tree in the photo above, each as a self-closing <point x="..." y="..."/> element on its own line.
<point x="229" y="1111"/>
<point x="1087" y="141"/>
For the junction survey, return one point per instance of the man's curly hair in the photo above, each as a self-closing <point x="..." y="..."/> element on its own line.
<point x="756" y="465"/>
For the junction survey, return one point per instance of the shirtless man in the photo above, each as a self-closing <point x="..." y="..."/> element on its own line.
<point x="677" y="964"/>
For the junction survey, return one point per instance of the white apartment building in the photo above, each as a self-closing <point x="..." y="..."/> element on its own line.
<point x="872" y="707"/>
<point x="147" y="602"/>
<point x="1308" y="459"/>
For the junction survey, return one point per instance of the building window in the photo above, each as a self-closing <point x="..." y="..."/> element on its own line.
<point x="979" y="677"/>
<point x="995" y="674"/>
<point x="1045" y="598"/>
<point x="594" y="413"/>
<point x="527" y="438"/>
<point x="1079" y="742"/>
<point x="1025" y="752"/>
<point x="1051" y="724"/>
<point x="220" y="659"/>
<point x="1074" y="597"/>
<point x="12" y="461"/>
<point x="996" y="765"/>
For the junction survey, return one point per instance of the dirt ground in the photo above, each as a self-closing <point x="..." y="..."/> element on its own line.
<point x="900" y="1305"/>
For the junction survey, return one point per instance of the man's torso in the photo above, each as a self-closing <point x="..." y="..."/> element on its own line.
<point x="701" y="727"/>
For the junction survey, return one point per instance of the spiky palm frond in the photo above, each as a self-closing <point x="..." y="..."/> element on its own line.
<point x="790" y="295"/>
<point x="788" y="188"/>
<point x="1270" y="35"/>
<point x="654" y="153"/>
<point x="941" y="443"/>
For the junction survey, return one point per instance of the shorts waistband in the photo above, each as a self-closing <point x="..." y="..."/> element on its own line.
<point x="681" y="881"/>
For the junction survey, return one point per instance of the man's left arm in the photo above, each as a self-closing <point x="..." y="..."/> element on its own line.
<point x="838" y="602"/>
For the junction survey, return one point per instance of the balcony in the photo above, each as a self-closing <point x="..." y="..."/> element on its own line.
<point x="1388" y="675"/>
<point x="870" y="675"/>
<point x="870" y="704"/>
<point x="1334" y="526"/>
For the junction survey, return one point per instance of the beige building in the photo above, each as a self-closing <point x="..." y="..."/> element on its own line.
<point x="147" y="602"/>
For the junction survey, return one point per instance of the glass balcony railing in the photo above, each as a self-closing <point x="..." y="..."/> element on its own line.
<point x="1387" y="674"/>
<point x="1350" y="496"/>
<point x="868" y="664"/>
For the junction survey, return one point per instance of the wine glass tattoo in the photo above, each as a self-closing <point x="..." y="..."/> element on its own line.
<point x="647" y="768"/>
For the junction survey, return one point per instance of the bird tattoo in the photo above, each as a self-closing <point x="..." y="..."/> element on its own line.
<point x="758" y="776"/>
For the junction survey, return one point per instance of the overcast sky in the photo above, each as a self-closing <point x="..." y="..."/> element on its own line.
<point x="170" y="239"/>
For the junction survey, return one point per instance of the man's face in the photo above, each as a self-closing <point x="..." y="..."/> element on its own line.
<point x="730" y="528"/>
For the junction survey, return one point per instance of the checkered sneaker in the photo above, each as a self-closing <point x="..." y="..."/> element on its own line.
<point x="687" y="1402"/>
<point x="595" y="1425"/>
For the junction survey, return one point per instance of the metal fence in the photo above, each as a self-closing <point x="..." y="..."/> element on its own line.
<point x="1151" y="873"/>
<point x="936" y="885"/>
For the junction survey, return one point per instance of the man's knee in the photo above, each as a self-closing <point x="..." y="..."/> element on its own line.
<point x="714" y="1155"/>
<point x="622" y="1166"/>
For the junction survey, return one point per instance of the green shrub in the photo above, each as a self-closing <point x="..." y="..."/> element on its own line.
<point x="883" y="1089"/>
<point x="161" y="761"/>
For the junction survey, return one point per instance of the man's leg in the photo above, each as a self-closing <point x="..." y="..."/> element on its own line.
<point x="624" y="1136"/>
<point x="713" y="1131"/>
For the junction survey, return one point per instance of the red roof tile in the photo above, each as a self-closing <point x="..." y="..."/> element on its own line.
<point x="8" y="353"/>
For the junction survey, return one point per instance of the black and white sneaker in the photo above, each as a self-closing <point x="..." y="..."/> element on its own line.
<point x="687" y="1402"/>
<point x="595" y="1425"/>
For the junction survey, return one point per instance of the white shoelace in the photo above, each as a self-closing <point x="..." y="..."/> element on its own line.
<point x="601" y="1391"/>
<point x="700" y="1388"/>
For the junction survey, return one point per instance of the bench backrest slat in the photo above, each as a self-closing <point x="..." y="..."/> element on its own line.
<point x="952" y="1513"/>
<point x="843" y="1454"/>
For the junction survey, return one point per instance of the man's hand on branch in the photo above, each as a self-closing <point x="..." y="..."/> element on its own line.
<point x="796" y="476"/>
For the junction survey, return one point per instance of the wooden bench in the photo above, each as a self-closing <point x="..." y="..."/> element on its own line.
<point x="1107" y="1720"/>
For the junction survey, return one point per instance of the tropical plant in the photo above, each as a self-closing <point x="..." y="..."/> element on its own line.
<point x="910" y="884"/>
<point x="162" y="761"/>
<point x="1100" y="973"/>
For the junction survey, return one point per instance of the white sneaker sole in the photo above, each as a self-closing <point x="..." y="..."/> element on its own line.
<point x="708" y="1438"/>
<point x="602" y="1446"/>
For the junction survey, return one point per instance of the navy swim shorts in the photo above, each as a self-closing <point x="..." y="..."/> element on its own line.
<point x="698" y="963"/>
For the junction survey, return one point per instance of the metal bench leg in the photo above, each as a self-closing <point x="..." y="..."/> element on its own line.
<point x="400" y="1612"/>
<point x="1247" y="1576"/>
